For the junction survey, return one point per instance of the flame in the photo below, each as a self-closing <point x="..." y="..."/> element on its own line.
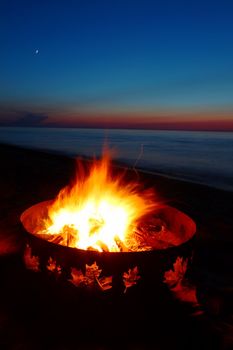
<point x="99" y="210"/>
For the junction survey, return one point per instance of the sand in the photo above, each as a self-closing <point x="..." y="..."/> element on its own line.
<point x="28" y="177"/>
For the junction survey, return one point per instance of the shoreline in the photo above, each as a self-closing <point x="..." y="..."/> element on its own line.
<point x="121" y="163"/>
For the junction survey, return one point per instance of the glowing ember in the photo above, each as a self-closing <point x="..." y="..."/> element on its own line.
<point x="99" y="211"/>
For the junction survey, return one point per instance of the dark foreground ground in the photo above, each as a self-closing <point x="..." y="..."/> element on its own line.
<point x="39" y="313"/>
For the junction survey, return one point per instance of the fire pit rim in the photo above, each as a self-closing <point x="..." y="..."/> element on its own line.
<point x="106" y="253"/>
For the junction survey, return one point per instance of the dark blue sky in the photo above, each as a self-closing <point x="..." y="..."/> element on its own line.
<point x="116" y="61"/>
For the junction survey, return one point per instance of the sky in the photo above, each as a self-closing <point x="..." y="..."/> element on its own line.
<point x="117" y="64"/>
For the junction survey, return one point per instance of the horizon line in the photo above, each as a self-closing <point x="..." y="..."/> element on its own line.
<point x="57" y="126"/>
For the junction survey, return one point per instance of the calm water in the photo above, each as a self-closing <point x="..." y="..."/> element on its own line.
<point x="202" y="157"/>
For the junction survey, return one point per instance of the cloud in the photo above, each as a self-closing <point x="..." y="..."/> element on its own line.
<point x="30" y="119"/>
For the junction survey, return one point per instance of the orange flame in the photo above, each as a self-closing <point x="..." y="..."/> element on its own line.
<point x="99" y="210"/>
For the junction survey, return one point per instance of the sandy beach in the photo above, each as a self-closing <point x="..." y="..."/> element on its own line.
<point x="28" y="177"/>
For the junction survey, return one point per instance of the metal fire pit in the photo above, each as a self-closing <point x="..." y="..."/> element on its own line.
<point x="114" y="272"/>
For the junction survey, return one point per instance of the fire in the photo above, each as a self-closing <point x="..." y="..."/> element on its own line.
<point x="99" y="211"/>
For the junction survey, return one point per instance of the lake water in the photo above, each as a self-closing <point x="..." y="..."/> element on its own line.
<point x="201" y="157"/>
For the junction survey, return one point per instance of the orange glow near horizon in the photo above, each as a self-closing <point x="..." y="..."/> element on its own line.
<point x="207" y="120"/>
<point x="144" y="121"/>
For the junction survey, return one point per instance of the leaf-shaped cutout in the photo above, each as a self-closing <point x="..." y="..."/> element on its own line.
<point x="181" y="288"/>
<point x="92" y="273"/>
<point x="105" y="283"/>
<point x="53" y="267"/>
<point x="90" y="278"/>
<point x="176" y="275"/>
<point x="77" y="277"/>
<point x="130" y="278"/>
<point x="31" y="262"/>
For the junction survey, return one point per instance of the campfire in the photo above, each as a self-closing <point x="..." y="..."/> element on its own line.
<point x="99" y="211"/>
<point x="103" y="211"/>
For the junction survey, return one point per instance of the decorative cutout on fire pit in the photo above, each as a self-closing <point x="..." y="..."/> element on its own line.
<point x="31" y="262"/>
<point x="91" y="278"/>
<point x="130" y="278"/>
<point x="52" y="266"/>
<point x="105" y="283"/>
<point x="175" y="276"/>
<point x="181" y="288"/>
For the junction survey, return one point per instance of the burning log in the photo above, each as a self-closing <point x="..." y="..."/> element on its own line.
<point x="122" y="247"/>
<point x="102" y="246"/>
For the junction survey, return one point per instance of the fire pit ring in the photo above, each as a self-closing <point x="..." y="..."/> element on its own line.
<point x="107" y="271"/>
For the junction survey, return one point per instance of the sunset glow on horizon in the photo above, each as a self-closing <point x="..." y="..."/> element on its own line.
<point x="117" y="64"/>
